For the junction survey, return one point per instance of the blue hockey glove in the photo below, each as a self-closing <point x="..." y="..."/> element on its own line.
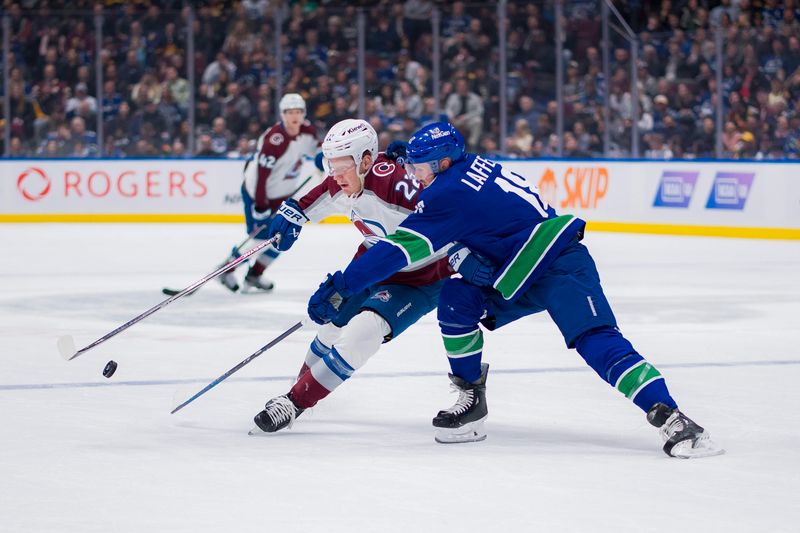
<point x="324" y="304"/>
<point x="396" y="151"/>
<point x="318" y="162"/>
<point x="472" y="266"/>
<point x="288" y="221"/>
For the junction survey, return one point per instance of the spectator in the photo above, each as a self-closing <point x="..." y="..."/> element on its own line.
<point x="656" y="147"/>
<point x="465" y="110"/>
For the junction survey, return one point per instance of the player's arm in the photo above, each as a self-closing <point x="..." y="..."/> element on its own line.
<point x="417" y="237"/>
<point x="293" y="214"/>
<point x="265" y="159"/>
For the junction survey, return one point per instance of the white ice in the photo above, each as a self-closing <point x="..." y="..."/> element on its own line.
<point x="565" y="452"/>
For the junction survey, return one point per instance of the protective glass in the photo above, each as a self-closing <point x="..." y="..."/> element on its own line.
<point x="338" y="168"/>
<point x="419" y="171"/>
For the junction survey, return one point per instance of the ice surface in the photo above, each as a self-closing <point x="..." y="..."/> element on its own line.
<point x="565" y="452"/>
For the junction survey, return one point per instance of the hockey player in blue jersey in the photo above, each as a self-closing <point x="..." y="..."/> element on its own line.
<point x="516" y="257"/>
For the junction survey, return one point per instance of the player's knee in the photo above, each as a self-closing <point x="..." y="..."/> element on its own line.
<point x="460" y="303"/>
<point x="607" y="352"/>
<point x="361" y="338"/>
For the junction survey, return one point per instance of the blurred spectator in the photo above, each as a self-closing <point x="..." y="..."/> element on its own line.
<point x="465" y="111"/>
<point x="143" y="61"/>
<point x="81" y="99"/>
<point x="656" y="147"/>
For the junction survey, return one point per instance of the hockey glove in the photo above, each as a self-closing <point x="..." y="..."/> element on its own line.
<point x="318" y="162"/>
<point x="396" y="151"/>
<point x="288" y="222"/>
<point x="472" y="266"/>
<point x="324" y="304"/>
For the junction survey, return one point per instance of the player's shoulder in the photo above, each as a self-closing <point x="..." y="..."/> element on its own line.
<point x="308" y="128"/>
<point x="274" y="139"/>
<point x="388" y="181"/>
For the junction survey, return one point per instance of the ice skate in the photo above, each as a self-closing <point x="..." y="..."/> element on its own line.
<point x="683" y="438"/>
<point x="279" y="413"/>
<point x="256" y="284"/>
<point x="228" y="280"/>
<point x="463" y="422"/>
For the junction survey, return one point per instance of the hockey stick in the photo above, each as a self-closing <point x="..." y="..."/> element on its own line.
<point x="227" y="374"/>
<point x="66" y="343"/>
<point x="172" y="292"/>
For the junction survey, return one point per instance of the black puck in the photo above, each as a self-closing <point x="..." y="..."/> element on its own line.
<point x="110" y="368"/>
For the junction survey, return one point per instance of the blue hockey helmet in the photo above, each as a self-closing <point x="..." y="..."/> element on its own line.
<point x="435" y="142"/>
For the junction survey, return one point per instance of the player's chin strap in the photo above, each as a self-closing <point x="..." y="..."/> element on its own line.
<point x="361" y="178"/>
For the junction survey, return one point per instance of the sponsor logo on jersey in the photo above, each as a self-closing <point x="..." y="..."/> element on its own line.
<point x="383" y="296"/>
<point x="675" y="189"/>
<point x="730" y="190"/>
<point x="276" y="139"/>
<point x="33" y="184"/>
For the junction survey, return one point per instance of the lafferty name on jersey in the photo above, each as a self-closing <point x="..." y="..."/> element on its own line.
<point x="478" y="173"/>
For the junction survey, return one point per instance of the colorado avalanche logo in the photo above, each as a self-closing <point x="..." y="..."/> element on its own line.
<point x="372" y="230"/>
<point x="276" y="139"/>
<point x="383" y="296"/>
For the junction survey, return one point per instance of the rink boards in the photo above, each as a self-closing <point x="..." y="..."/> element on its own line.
<point x="719" y="198"/>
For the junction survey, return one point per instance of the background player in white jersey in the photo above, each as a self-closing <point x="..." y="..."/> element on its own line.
<point x="284" y="165"/>
<point x="375" y="192"/>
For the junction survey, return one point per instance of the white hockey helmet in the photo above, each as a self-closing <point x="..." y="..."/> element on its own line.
<point x="292" y="101"/>
<point x="351" y="137"/>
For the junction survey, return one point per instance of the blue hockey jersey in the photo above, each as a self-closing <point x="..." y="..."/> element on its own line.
<point x="488" y="208"/>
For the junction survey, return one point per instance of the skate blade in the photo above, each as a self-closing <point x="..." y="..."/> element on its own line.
<point x="702" y="447"/>
<point x="257" y="432"/>
<point x="254" y="290"/>
<point x="472" y="432"/>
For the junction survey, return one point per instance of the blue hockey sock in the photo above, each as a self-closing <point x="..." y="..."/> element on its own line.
<point x="464" y="350"/>
<point x="614" y="359"/>
<point x="460" y="308"/>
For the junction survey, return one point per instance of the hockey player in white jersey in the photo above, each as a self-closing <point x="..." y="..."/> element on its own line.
<point x="375" y="192"/>
<point x="287" y="162"/>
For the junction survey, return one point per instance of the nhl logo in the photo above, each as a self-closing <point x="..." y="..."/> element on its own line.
<point x="383" y="296"/>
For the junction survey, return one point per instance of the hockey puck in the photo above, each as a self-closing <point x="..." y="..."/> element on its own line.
<point x="110" y="368"/>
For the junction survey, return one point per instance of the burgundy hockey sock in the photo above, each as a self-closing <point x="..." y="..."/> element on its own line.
<point x="307" y="391"/>
<point x="256" y="270"/>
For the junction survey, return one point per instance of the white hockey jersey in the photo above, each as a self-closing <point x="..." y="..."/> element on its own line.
<point x="281" y="166"/>
<point x="388" y="197"/>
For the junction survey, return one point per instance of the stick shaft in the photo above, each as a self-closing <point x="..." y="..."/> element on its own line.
<point x="236" y="368"/>
<point x="190" y="288"/>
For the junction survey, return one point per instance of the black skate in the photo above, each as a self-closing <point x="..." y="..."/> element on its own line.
<point x="279" y="413"/>
<point x="463" y="422"/>
<point x="228" y="280"/>
<point x="683" y="437"/>
<point x="257" y="284"/>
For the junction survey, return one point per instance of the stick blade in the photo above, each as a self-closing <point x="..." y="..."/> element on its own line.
<point x="66" y="347"/>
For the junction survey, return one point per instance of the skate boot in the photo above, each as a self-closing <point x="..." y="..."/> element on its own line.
<point x="279" y="413"/>
<point x="463" y="422"/>
<point x="683" y="437"/>
<point x="228" y="280"/>
<point x="256" y="284"/>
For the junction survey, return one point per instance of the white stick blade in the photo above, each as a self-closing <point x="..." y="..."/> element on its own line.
<point x="66" y="346"/>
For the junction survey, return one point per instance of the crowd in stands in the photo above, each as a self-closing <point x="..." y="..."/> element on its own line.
<point x="145" y="96"/>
